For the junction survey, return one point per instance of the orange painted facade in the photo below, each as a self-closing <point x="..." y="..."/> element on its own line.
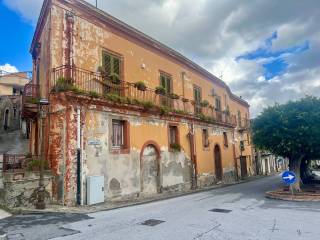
<point x="75" y="34"/>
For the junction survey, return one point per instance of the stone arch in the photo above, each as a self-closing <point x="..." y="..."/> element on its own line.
<point x="218" y="162"/>
<point x="150" y="167"/>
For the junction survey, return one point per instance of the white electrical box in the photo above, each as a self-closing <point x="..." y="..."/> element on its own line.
<point x="95" y="190"/>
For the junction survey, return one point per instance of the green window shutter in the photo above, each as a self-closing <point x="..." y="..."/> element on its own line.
<point x="106" y="63"/>
<point x="116" y="66"/>
<point x="165" y="82"/>
<point x="111" y="64"/>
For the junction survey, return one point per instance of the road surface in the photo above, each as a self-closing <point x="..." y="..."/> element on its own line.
<point x="239" y="212"/>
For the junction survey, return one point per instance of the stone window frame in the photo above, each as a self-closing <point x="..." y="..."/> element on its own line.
<point x="126" y="135"/>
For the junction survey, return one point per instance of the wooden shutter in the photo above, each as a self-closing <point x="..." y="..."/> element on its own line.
<point x="111" y="64"/>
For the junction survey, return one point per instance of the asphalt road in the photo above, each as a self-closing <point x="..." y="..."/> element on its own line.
<point x="243" y="214"/>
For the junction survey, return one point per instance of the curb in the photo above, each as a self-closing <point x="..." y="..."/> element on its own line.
<point x="128" y="204"/>
<point x="295" y="198"/>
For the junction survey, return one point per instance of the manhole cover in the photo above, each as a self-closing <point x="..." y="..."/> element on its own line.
<point x="152" y="222"/>
<point x="219" y="210"/>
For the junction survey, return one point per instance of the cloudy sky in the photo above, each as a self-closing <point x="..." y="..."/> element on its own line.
<point x="267" y="51"/>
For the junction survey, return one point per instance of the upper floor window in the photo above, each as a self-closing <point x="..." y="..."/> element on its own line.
<point x="218" y="104"/>
<point x="166" y="82"/>
<point x="14" y="113"/>
<point x="197" y="98"/>
<point x="111" y="65"/>
<point x="239" y="118"/>
<point x="14" y="91"/>
<point x="205" y="138"/>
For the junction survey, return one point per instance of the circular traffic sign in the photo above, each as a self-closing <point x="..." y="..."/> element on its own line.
<point x="289" y="177"/>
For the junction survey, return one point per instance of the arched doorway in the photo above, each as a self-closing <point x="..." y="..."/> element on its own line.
<point x="218" y="163"/>
<point x="150" y="168"/>
<point x="6" y="119"/>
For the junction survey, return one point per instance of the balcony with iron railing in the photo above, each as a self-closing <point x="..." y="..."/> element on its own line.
<point x="30" y="100"/>
<point x="243" y="124"/>
<point x="97" y="85"/>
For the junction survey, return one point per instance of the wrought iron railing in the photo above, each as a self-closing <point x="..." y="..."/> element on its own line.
<point x="75" y="79"/>
<point x="12" y="163"/>
<point x="244" y="123"/>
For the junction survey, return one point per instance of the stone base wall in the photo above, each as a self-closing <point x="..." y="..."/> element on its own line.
<point x="19" y="189"/>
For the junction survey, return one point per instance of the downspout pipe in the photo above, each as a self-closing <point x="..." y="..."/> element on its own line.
<point x="79" y="168"/>
<point x="193" y="157"/>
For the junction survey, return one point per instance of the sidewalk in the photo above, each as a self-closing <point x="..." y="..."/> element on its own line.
<point x="110" y="205"/>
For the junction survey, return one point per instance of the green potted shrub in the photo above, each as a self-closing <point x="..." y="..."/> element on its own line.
<point x="115" y="79"/>
<point x="204" y="103"/>
<point x="160" y="90"/>
<point x="140" y="86"/>
<point x="175" y="147"/>
<point x="93" y="94"/>
<point x="174" y="96"/>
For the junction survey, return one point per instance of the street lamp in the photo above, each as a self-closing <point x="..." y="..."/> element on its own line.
<point x="43" y="103"/>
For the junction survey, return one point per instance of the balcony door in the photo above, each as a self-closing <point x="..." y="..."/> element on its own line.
<point x="166" y="83"/>
<point x="197" y="99"/>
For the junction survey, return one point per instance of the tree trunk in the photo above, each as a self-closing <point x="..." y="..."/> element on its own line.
<point x="295" y="165"/>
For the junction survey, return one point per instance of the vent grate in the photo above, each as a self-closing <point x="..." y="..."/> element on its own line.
<point x="152" y="222"/>
<point x="220" y="210"/>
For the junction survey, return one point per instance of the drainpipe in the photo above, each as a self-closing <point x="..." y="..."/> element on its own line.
<point x="235" y="156"/>
<point x="79" y="169"/>
<point x="194" y="179"/>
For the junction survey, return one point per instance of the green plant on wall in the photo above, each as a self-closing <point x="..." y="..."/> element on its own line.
<point x="34" y="165"/>
<point x="175" y="147"/>
<point x="93" y="94"/>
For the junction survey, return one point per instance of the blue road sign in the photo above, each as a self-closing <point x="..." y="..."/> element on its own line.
<point x="289" y="177"/>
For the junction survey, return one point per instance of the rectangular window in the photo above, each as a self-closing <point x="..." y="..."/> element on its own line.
<point x="239" y="118"/>
<point x="173" y="135"/>
<point x="117" y="134"/>
<point x="205" y="138"/>
<point x="218" y="104"/>
<point x="165" y="82"/>
<point x="225" y="139"/>
<point x="197" y="99"/>
<point x="14" y="113"/>
<point x="111" y="65"/>
<point x="120" y="136"/>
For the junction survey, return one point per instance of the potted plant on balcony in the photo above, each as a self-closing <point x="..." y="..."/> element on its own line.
<point x="115" y="79"/>
<point x="204" y="103"/>
<point x="174" y="96"/>
<point x="185" y="100"/>
<point x="160" y="90"/>
<point x="140" y="86"/>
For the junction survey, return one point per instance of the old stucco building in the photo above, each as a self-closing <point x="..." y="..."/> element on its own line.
<point x="126" y="107"/>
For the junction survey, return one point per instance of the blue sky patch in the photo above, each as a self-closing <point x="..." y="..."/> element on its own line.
<point x="277" y="65"/>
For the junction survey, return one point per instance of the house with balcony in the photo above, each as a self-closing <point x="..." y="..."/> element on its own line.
<point x="121" y="105"/>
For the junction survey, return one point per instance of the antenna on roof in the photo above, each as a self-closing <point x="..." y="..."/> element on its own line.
<point x="221" y="75"/>
<point x="96" y="3"/>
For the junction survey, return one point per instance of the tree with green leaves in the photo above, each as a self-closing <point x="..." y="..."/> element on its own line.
<point x="290" y="130"/>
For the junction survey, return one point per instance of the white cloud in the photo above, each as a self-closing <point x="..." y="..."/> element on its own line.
<point x="213" y="33"/>
<point x="8" y="68"/>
